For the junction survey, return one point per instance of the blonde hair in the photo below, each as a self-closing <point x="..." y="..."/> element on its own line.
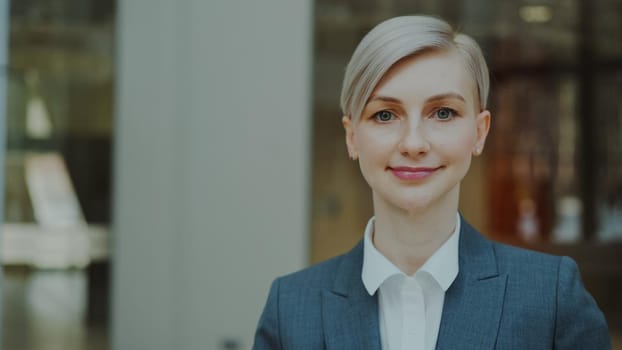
<point x="396" y="39"/>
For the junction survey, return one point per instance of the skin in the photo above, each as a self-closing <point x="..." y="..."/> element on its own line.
<point x="414" y="142"/>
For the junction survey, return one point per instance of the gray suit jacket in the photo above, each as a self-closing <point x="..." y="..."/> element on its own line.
<point x="503" y="298"/>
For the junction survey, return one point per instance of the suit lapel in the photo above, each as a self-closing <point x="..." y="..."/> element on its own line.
<point x="473" y="303"/>
<point x="349" y="313"/>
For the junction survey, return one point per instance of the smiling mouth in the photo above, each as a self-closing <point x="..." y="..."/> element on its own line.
<point x="413" y="173"/>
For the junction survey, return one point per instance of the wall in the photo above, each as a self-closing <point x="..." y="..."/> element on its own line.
<point x="211" y="166"/>
<point x="4" y="46"/>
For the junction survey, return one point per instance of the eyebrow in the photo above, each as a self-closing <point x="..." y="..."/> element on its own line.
<point x="446" y="96"/>
<point x="384" y="99"/>
<point x="439" y="97"/>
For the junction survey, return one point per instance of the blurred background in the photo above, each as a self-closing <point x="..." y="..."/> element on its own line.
<point x="165" y="161"/>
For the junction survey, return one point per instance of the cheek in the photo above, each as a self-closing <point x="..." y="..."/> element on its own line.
<point x="456" y="144"/>
<point x="375" y="144"/>
<point x="375" y="148"/>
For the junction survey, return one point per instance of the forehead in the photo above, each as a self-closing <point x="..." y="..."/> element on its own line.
<point x="428" y="74"/>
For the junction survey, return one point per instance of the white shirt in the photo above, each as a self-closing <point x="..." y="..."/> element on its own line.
<point x="410" y="307"/>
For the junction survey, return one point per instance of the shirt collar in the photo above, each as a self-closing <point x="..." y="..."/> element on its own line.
<point x="376" y="267"/>
<point x="442" y="266"/>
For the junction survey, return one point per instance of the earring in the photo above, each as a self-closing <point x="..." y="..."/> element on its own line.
<point x="351" y="155"/>
<point x="478" y="151"/>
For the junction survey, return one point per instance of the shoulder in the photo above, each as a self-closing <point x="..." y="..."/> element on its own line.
<point x="562" y="268"/>
<point x="520" y="259"/>
<point x="291" y="317"/>
<point x="538" y="272"/>
<point x="325" y="274"/>
<point x="320" y="275"/>
<point x="534" y="264"/>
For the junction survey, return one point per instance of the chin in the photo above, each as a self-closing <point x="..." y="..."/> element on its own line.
<point x="420" y="200"/>
<point x="413" y="205"/>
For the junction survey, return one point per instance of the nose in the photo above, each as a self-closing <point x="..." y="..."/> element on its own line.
<point x="413" y="141"/>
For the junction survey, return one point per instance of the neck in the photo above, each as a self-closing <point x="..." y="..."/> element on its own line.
<point x="409" y="238"/>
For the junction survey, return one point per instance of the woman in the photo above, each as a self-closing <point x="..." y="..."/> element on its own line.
<point x="414" y="103"/>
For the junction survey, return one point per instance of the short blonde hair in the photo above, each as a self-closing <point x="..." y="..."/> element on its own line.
<point x="396" y="39"/>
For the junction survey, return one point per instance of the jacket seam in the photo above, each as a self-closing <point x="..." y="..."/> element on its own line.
<point x="278" y="313"/>
<point x="555" y="319"/>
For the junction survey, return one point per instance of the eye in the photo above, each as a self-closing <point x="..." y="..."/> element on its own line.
<point x="445" y="113"/>
<point x="384" y="116"/>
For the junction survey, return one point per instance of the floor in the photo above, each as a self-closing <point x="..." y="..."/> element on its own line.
<point x="46" y="310"/>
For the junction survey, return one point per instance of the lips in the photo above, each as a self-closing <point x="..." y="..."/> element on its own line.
<point x="412" y="173"/>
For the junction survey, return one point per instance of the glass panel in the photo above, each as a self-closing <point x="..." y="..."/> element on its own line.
<point x="59" y="117"/>
<point x="607" y="122"/>
<point x="58" y="166"/>
<point x="530" y="33"/>
<point x="606" y="27"/>
<point x="531" y="157"/>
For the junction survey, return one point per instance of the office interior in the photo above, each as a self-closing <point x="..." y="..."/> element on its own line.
<point x="165" y="161"/>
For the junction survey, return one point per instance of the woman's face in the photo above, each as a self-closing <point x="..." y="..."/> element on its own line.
<point x="417" y="132"/>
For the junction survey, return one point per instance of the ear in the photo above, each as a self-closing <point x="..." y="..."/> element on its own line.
<point x="347" y="125"/>
<point x="483" y="126"/>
